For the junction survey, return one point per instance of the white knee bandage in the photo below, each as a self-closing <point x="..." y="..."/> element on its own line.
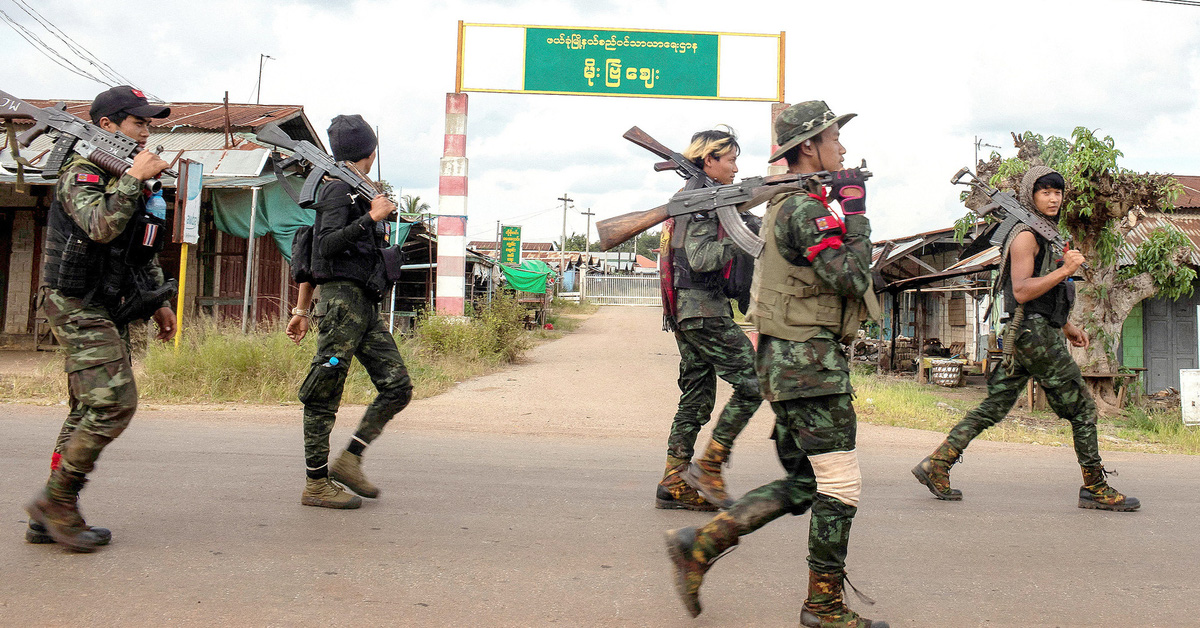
<point x="838" y="475"/>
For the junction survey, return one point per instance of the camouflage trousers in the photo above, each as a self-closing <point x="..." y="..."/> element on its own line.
<point x="1039" y="351"/>
<point x="100" y="385"/>
<point x="349" y="327"/>
<point x="716" y="348"/>
<point x="805" y="427"/>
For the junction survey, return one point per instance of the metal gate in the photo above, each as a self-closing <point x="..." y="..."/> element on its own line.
<point x="624" y="290"/>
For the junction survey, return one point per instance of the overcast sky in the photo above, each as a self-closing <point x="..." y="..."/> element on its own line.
<point x="924" y="77"/>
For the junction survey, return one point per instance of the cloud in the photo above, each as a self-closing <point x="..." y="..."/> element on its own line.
<point x="925" y="78"/>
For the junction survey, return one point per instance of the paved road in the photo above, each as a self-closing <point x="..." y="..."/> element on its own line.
<point x="524" y="499"/>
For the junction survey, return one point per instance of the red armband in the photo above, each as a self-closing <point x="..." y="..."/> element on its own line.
<point x="832" y="242"/>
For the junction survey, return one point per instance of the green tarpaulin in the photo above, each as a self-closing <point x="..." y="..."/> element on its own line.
<point x="278" y="215"/>
<point x="530" y="276"/>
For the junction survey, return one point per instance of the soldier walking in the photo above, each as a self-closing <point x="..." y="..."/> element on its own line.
<point x="696" y="307"/>
<point x="1037" y="299"/>
<point x="99" y="237"/>
<point x="811" y="291"/>
<point x="348" y="266"/>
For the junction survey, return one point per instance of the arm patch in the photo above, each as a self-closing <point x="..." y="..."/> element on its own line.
<point x="84" y="177"/>
<point x="827" y="223"/>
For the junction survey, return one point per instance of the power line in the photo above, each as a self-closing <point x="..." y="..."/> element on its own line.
<point x="1186" y="3"/>
<point x="110" y="76"/>
<point x="46" y="50"/>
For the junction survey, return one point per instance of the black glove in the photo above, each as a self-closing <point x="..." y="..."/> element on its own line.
<point x="849" y="188"/>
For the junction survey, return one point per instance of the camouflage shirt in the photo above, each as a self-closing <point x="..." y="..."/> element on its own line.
<point x="705" y="253"/>
<point x="100" y="203"/>
<point x="790" y="370"/>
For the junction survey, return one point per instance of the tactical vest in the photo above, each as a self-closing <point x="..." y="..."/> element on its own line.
<point x="1055" y="304"/>
<point x="79" y="267"/>
<point x="684" y="276"/>
<point x="789" y="301"/>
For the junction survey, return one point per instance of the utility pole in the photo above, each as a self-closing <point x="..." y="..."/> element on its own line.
<point x="261" y="58"/>
<point x="562" y="252"/>
<point x="587" y="254"/>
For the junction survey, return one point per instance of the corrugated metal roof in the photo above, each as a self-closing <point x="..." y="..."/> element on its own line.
<point x="1191" y="191"/>
<point x="199" y="115"/>
<point x="1188" y="226"/>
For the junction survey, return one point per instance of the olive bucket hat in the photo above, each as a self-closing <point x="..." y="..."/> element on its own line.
<point x="803" y="121"/>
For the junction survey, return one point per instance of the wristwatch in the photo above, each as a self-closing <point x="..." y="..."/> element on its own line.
<point x="299" y="312"/>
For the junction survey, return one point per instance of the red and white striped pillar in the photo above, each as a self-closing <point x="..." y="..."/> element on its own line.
<point x="452" y="211"/>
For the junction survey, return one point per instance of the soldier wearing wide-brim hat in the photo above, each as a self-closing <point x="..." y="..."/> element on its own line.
<point x="811" y="291"/>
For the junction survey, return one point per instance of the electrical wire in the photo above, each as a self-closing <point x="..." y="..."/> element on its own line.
<point x="46" y="50"/>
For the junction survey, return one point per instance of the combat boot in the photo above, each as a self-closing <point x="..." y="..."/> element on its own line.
<point x="693" y="551"/>
<point x="674" y="494"/>
<point x="1096" y="494"/>
<point x="704" y="475"/>
<point x="326" y="493"/>
<point x="825" y="607"/>
<point x="36" y="533"/>
<point x="55" y="509"/>
<point x="934" y="472"/>
<point x="347" y="469"/>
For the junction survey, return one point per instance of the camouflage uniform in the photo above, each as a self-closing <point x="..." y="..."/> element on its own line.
<point x="349" y="326"/>
<point x="1038" y="350"/>
<point x="349" y="267"/>
<point x="99" y="375"/>
<point x="100" y="382"/>
<point x="808" y="385"/>
<point x="710" y="345"/>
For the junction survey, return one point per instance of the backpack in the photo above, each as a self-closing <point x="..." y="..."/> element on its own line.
<point x="302" y="255"/>
<point x="739" y="272"/>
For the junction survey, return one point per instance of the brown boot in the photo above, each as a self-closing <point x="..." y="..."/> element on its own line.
<point x="55" y="509"/>
<point x="325" y="493"/>
<point x="674" y="493"/>
<point x="825" y="607"/>
<point x="693" y="551"/>
<point x="934" y="472"/>
<point x="1096" y="494"/>
<point x="704" y="475"/>
<point x="347" y="469"/>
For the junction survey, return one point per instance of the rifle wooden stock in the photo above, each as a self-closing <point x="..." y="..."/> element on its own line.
<point x="616" y="230"/>
<point x="643" y="139"/>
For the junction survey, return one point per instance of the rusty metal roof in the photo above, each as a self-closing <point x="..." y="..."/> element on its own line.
<point x="198" y="115"/>
<point x="1191" y="191"/>
<point x="1188" y="225"/>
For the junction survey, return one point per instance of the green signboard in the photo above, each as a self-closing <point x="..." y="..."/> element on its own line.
<point x="510" y="245"/>
<point x="627" y="63"/>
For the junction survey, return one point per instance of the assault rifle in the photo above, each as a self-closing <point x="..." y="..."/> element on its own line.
<point x="319" y="164"/>
<point x="726" y="200"/>
<point x="111" y="151"/>
<point x="1008" y="210"/>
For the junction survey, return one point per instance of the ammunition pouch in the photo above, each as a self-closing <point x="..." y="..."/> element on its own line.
<point x="142" y="299"/>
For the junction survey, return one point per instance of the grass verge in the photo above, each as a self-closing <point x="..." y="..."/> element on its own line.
<point x="217" y="363"/>
<point x="899" y="401"/>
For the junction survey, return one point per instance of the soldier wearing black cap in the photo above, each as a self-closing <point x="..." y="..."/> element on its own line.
<point x="98" y="235"/>
<point x="349" y="268"/>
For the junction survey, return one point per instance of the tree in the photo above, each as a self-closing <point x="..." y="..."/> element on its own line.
<point x="410" y="204"/>
<point x="578" y="242"/>
<point x="1103" y="202"/>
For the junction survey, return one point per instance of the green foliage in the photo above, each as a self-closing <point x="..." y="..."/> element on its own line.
<point x="1156" y="256"/>
<point x="1012" y="168"/>
<point x="495" y="334"/>
<point x="964" y="225"/>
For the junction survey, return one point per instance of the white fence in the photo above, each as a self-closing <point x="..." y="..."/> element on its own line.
<point x="624" y="290"/>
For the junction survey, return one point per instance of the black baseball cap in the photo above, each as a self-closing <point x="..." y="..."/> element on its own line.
<point x="130" y="100"/>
